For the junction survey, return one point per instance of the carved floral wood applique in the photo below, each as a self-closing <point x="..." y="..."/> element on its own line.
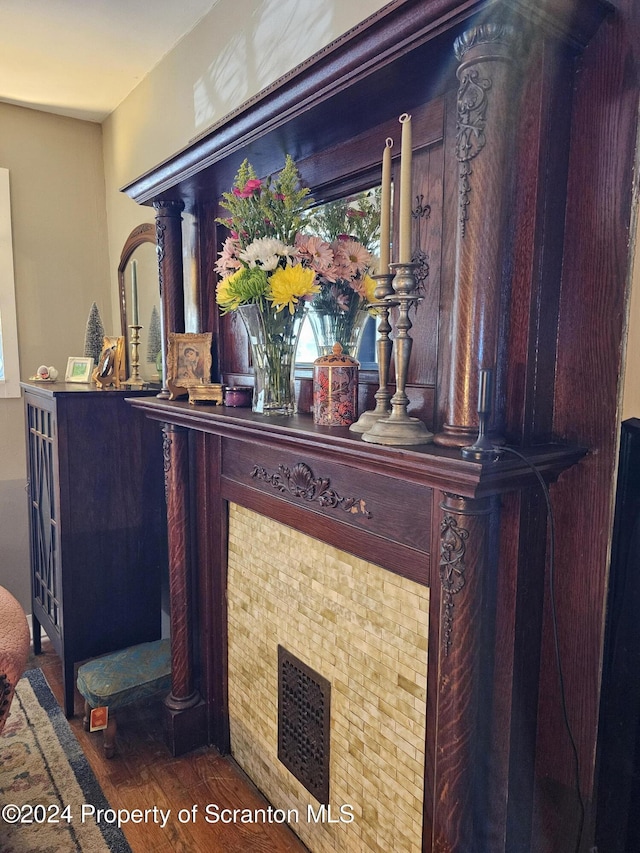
<point x="452" y="569"/>
<point x="299" y="482"/>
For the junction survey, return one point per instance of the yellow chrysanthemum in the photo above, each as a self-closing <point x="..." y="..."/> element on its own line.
<point x="288" y="284"/>
<point x="226" y="294"/>
<point x="369" y="288"/>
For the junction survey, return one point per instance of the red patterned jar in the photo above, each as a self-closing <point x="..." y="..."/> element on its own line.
<point x="335" y="389"/>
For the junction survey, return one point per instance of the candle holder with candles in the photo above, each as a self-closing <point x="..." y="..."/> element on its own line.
<point x="135" y="381"/>
<point x="382" y="306"/>
<point x="399" y="428"/>
<point x="383" y="293"/>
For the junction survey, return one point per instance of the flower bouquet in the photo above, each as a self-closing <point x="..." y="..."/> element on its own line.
<point x="341" y="255"/>
<point x="265" y="278"/>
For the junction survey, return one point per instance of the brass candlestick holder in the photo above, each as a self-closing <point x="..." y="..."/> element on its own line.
<point x="399" y="428"/>
<point x="135" y="381"/>
<point x="383" y="293"/>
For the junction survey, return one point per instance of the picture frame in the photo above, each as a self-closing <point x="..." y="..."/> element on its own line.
<point x="78" y="369"/>
<point x="117" y="343"/>
<point x="188" y="362"/>
<point x="111" y="366"/>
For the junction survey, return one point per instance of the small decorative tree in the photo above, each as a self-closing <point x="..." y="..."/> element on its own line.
<point x="154" y="343"/>
<point x="94" y="335"/>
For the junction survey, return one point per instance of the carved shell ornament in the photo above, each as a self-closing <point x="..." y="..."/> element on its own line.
<point x="299" y="482"/>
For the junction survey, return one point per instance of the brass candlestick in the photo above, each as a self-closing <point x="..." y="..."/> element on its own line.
<point x="399" y="428"/>
<point x="135" y="381"/>
<point x="383" y="293"/>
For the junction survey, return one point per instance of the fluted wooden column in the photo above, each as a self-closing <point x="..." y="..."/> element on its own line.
<point x="487" y="114"/>
<point x="184" y="707"/>
<point x="462" y="749"/>
<point x="170" y="274"/>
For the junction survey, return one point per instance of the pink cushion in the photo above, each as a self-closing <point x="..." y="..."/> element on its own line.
<point x="14" y="649"/>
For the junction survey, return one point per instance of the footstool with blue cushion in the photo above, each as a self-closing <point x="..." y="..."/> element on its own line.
<point x="121" y="678"/>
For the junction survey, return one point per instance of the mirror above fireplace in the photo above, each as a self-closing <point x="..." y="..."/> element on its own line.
<point x="140" y="301"/>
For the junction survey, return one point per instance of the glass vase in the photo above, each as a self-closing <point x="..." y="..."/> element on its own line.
<point x="336" y="319"/>
<point x="273" y="336"/>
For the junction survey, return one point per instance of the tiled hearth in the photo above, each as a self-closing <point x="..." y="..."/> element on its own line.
<point x="364" y="630"/>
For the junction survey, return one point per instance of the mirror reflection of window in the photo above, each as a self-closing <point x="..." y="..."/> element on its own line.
<point x="352" y="218"/>
<point x="148" y="308"/>
<point x="9" y="360"/>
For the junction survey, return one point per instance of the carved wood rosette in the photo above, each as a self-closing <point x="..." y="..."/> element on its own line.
<point x="484" y="150"/>
<point x="461" y="777"/>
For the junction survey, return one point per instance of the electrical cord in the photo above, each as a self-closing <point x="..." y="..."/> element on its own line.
<point x="554" y="620"/>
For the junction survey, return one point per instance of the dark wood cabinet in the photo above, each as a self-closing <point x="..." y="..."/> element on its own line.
<point x="96" y="518"/>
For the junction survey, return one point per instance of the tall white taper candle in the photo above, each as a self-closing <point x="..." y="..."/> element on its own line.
<point x="134" y="293"/>
<point x="385" y="208"/>
<point x="404" y="253"/>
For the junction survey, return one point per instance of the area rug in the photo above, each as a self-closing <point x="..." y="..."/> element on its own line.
<point x="50" y="800"/>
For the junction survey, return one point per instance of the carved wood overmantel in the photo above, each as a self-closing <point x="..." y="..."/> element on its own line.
<point x="488" y="75"/>
<point x="524" y="127"/>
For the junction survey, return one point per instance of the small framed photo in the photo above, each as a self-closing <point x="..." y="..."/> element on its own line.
<point x="188" y="362"/>
<point x="78" y="369"/>
<point x="116" y="345"/>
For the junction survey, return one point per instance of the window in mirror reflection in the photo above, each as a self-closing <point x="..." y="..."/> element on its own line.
<point x="147" y="308"/>
<point x="351" y="226"/>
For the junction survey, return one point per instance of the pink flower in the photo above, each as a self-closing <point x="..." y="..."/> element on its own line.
<point x="228" y="261"/>
<point x="341" y="299"/>
<point x="250" y="188"/>
<point x="357" y="284"/>
<point x="317" y="254"/>
<point x="351" y="258"/>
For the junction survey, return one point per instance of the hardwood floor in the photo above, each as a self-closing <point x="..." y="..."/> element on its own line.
<point x="144" y="774"/>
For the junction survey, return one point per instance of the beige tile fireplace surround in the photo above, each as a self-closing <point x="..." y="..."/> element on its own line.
<point x="362" y="628"/>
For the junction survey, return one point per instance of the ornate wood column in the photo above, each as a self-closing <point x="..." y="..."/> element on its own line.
<point x="170" y="274"/>
<point x="484" y="150"/>
<point x="462" y="774"/>
<point x="185" y="711"/>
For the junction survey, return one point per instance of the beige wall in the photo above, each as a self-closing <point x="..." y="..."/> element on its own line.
<point x="61" y="266"/>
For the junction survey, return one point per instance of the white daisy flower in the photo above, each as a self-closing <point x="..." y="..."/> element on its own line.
<point x="265" y="252"/>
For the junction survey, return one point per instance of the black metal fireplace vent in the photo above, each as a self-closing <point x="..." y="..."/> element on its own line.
<point x="304" y="699"/>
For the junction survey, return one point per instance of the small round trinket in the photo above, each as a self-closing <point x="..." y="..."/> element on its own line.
<point x="238" y="397"/>
<point x="335" y="389"/>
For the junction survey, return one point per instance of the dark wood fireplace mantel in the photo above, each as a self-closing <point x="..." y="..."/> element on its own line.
<point x="530" y="198"/>
<point x="427" y="465"/>
<point x="424" y="513"/>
